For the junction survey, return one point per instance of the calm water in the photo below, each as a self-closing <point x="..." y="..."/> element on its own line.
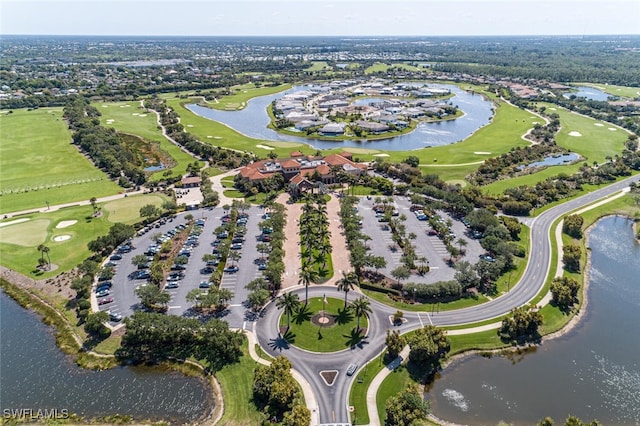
<point x="589" y="93"/>
<point x="593" y="372"/>
<point x="553" y="160"/>
<point x="252" y="121"/>
<point x="35" y="374"/>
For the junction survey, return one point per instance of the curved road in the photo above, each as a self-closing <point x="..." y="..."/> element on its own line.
<point x="333" y="400"/>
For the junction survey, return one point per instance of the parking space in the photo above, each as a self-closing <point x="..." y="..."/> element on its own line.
<point x="427" y="244"/>
<point x="120" y="299"/>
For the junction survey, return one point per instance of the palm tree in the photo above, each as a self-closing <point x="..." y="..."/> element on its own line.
<point x="93" y="201"/>
<point x="234" y="256"/>
<point x="361" y="307"/>
<point x="307" y="275"/>
<point x="461" y="243"/>
<point x="290" y="303"/>
<point x="44" y="250"/>
<point x="349" y="281"/>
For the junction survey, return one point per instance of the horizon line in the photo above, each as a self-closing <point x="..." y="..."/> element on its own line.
<point x="323" y="35"/>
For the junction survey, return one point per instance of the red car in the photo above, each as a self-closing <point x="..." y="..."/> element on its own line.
<point x="105" y="300"/>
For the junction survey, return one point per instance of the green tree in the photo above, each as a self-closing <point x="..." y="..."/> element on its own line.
<point x="94" y="324"/>
<point x="290" y="303"/>
<point x="299" y="416"/>
<point x="139" y="259"/>
<point x="151" y="296"/>
<point x="401" y="273"/>
<point x="361" y="307"/>
<point x="522" y="324"/>
<point x="407" y="408"/>
<point x="395" y="342"/>
<point x="572" y="225"/>
<point x="94" y="205"/>
<point x="306" y="277"/>
<point x="349" y="281"/>
<point x="571" y="257"/>
<point x="428" y="345"/>
<point x="565" y="292"/>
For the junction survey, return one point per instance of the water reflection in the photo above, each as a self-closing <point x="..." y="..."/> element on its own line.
<point x="36" y="375"/>
<point x="253" y="120"/>
<point x="593" y="372"/>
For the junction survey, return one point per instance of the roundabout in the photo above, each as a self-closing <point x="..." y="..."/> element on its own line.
<point x="324" y="327"/>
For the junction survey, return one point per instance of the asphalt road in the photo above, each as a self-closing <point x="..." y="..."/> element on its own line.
<point x="333" y="400"/>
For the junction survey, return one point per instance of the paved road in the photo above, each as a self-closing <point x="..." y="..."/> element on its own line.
<point x="333" y="400"/>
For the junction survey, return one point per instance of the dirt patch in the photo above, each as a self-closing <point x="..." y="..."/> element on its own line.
<point x="329" y="376"/>
<point x="50" y="289"/>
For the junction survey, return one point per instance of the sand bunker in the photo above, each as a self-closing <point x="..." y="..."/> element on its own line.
<point x="60" y="238"/>
<point x="264" y="147"/>
<point x="189" y="125"/>
<point x="217" y="137"/>
<point x="482" y="153"/>
<point x="142" y="115"/>
<point x="209" y="136"/>
<point x="13" y="222"/>
<point x="105" y="106"/>
<point x="598" y="124"/>
<point x="380" y="155"/>
<point x="125" y="106"/>
<point x="135" y="113"/>
<point x="553" y="109"/>
<point x="66" y="223"/>
<point x="613" y="129"/>
<point x="110" y="121"/>
<point x="574" y="133"/>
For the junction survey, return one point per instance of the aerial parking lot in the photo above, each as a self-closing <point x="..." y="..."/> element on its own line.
<point x="130" y="263"/>
<point x="429" y="247"/>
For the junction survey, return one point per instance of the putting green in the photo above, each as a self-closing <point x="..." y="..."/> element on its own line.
<point x="26" y="234"/>
<point x="333" y="331"/>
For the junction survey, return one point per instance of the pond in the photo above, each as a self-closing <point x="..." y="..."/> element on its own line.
<point x="592" y="372"/>
<point x="252" y="121"/>
<point x="589" y="93"/>
<point x="35" y="374"/>
<point x="553" y="160"/>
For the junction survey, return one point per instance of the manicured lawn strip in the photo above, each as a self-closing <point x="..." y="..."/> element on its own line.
<point x="236" y="381"/>
<point x="394" y="383"/>
<point x="623" y="91"/>
<point x="233" y="193"/>
<point x="358" y="395"/>
<point x="508" y="280"/>
<point x="306" y="335"/>
<point x="498" y="187"/>
<point x="425" y="307"/>
<point x="227" y="182"/>
<point x="325" y="273"/>
<point x="144" y="125"/>
<point x="449" y="174"/>
<point x="35" y="153"/>
<point x="484" y="340"/>
<point x="379" y="66"/>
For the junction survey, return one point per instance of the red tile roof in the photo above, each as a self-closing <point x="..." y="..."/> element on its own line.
<point x="289" y="164"/>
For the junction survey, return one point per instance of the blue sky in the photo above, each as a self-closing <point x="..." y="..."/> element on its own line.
<point x="326" y="17"/>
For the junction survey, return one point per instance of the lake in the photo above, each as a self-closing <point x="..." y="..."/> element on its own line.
<point x="592" y="372"/>
<point x="35" y="374"/>
<point x="252" y="121"/>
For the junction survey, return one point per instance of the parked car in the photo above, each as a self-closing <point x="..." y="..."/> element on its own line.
<point x="142" y="275"/>
<point x="105" y="300"/>
<point x="102" y="293"/>
<point x="262" y="266"/>
<point x="204" y="284"/>
<point x="116" y="257"/>
<point x="172" y="284"/>
<point x="207" y="270"/>
<point x="176" y="276"/>
<point x="236" y="246"/>
<point x="114" y="316"/>
<point x="231" y="269"/>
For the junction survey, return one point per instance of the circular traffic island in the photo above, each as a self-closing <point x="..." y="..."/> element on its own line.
<point x="323" y="327"/>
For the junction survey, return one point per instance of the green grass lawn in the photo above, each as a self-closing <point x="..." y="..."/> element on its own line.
<point x="40" y="165"/>
<point x="236" y="381"/>
<point x="379" y="66"/>
<point x="19" y="240"/>
<point x="319" y="66"/>
<point x="120" y="116"/>
<point x="306" y="335"/>
<point x="358" y="395"/>
<point x="240" y="95"/>
<point x="127" y="210"/>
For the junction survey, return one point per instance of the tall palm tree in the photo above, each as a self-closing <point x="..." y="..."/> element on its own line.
<point x="349" y="281"/>
<point x="307" y="275"/>
<point x="290" y="303"/>
<point x="361" y="306"/>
